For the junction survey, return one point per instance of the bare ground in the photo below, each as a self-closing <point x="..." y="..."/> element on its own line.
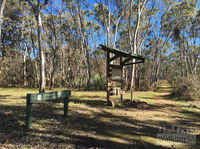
<point x="91" y="124"/>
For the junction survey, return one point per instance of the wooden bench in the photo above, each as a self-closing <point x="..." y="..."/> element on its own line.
<point x="41" y="97"/>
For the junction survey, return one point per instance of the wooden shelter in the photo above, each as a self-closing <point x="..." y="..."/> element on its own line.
<point x="115" y="61"/>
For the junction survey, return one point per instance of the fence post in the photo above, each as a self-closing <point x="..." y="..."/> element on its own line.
<point x="28" y="112"/>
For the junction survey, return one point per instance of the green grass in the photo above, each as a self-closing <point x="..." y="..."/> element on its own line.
<point x="92" y="124"/>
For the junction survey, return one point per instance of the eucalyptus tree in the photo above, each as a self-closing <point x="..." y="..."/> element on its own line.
<point x="79" y="12"/>
<point x="133" y="35"/>
<point x="103" y="14"/>
<point x="2" y="7"/>
<point x="158" y="40"/>
<point x="11" y="28"/>
<point x="36" y="7"/>
<point x="54" y="29"/>
<point x="134" y="32"/>
<point x="185" y="34"/>
<point x="11" y="37"/>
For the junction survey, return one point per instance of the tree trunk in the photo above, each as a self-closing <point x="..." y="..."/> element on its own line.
<point x="52" y="82"/>
<point x="130" y="35"/>
<point x="1" y="20"/>
<point x="23" y="44"/>
<point x="37" y="73"/>
<point x="84" y="47"/>
<point x="182" y="65"/>
<point x="98" y="66"/>
<point x="88" y="69"/>
<point x="116" y="29"/>
<point x="135" y="41"/>
<point x="24" y="65"/>
<point x="42" y="58"/>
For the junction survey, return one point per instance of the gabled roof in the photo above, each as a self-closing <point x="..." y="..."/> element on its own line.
<point x="123" y="53"/>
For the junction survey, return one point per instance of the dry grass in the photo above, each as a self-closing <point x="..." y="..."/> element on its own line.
<point x="91" y="124"/>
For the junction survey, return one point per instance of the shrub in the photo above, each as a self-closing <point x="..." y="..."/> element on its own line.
<point x="12" y="73"/>
<point x="187" y="88"/>
<point x="98" y="84"/>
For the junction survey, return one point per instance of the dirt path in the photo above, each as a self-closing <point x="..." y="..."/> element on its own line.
<point x="141" y="128"/>
<point x="175" y="119"/>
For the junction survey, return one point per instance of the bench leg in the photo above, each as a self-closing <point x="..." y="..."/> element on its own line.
<point x="28" y="115"/>
<point x="65" y="107"/>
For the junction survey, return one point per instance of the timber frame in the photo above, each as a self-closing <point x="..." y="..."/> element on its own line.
<point x="125" y="58"/>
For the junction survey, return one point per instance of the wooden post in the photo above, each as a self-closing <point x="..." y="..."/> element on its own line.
<point x="131" y="94"/>
<point x="108" y="77"/>
<point x="28" y="113"/>
<point x="121" y="65"/>
<point x="66" y="107"/>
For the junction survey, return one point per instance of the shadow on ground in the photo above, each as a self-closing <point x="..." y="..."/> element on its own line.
<point x="4" y="96"/>
<point x="67" y="131"/>
<point x="101" y="129"/>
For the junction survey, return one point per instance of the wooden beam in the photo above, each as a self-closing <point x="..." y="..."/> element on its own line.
<point x="114" y="57"/>
<point x="115" y="66"/>
<point x="133" y="63"/>
<point x="126" y="60"/>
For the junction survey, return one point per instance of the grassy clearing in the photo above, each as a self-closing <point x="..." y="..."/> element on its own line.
<point x="91" y="124"/>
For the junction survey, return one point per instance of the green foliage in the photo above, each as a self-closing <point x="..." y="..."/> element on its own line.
<point x="12" y="74"/>
<point x="97" y="83"/>
<point x="187" y="88"/>
<point x="145" y="81"/>
<point x="72" y="32"/>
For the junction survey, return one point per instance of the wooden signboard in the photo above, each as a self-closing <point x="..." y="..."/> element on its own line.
<point x="115" y="61"/>
<point x="116" y="74"/>
<point x="41" y="97"/>
<point x="34" y="98"/>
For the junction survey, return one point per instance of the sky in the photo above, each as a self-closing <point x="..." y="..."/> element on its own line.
<point x="58" y="4"/>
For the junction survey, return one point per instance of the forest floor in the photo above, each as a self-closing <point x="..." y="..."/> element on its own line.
<point x="92" y="124"/>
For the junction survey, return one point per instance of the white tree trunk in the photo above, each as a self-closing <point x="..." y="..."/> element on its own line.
<point x="42" y="57"/>
<point x="2" y="7"/>
<point x="139" y="11"/>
